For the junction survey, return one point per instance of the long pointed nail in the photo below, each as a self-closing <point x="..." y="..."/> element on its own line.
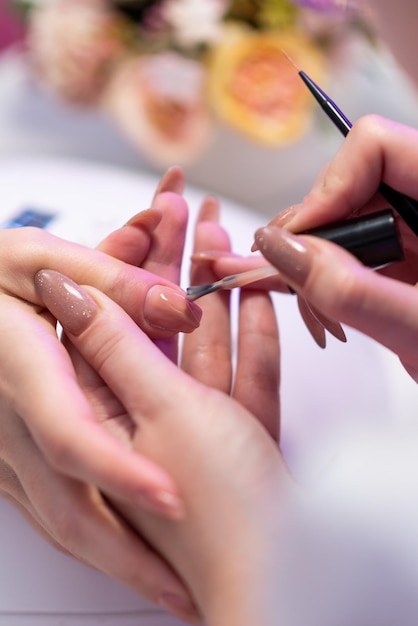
<point x="70" y="304"/>
<point x="287" y="252"/>
<point x="314" y="326"/>
<point x="330" y="325"/>
<point x="168" y="309"/>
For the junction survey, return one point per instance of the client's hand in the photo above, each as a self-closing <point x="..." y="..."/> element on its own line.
<point x="227" y="465"/>
<point x="54" y="453"/>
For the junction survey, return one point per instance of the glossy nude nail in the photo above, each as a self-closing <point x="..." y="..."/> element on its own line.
<point x="168" y="309"/>
<point x="283" y="218"/>
<point x="287" y="252"/>
<point x="72" y="306"/>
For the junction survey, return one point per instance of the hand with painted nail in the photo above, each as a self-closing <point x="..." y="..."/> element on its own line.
<point x="51" y="426"/>
<point x="214" y="432"/>
<point x="374" y="150"/>
<point x="380" y="304"/>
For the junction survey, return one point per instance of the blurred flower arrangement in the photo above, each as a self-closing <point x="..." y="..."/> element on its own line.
<point x="171" y="72"/>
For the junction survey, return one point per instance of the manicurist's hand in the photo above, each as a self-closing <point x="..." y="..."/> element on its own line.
<point x="381" y="304"/>
<point x="214" y="432"/>
<point x="375" y="150"/>
<point x="55" y="455"/>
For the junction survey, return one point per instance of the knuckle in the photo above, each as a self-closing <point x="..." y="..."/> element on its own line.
<point x="209" y="355"/>
<point x="110" y="345"/>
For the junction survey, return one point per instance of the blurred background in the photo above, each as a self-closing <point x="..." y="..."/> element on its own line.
<point x="146" y="84"/>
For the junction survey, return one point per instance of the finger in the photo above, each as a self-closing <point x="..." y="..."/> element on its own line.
<point x="172" y="180"/>
<point x="369" y="155"/>
<point x="78" y="520"/>
<point x="224" y="263"/>
<point x="166" y="251"/>
<point x="72" y="440"/>
<point x="121" y="354"/>
<point x="341" y="288"/>
<point x="257" y="379"/>
<point x="131" y="243"/>
<point x="158" y="306"/>
<point x="207" y="353"/>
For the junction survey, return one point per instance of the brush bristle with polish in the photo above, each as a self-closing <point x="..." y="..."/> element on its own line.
<point x="197" y="291"/>
<point x="289" y="58"/>
<point x="231" y="282"/>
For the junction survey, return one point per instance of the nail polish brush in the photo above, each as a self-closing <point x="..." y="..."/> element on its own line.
<point x="372" y="238"/>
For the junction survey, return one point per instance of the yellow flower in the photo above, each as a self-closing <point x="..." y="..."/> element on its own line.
<point x="254" y="87"/>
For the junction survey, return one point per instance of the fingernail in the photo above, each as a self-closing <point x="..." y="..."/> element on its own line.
<point x="172" y="180"/>
<point x="312" y="323"/>
<point x="287" y="252"/>
<point x="72" y="306"/>
<point x="177" y="604"/>
<point x="163" y="503"/>
<point x="148" y="220"/>
<point x="212" y="255"/>
<point x="168" y="309"/>
<point x="209" y="210"/>
<point x="331" y="326"/>
<point x="284" y="217"/>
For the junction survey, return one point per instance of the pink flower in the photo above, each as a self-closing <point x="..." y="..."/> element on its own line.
<point x="73" y="45"/>
<point x="159" y="102"/>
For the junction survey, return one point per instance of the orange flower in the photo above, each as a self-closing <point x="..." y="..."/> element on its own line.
<point x="255" y="88"/>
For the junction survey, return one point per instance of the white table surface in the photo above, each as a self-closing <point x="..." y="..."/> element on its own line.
<point x="323" y="391"/>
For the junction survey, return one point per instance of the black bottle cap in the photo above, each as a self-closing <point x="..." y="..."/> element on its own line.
<point x="374" y="239"/>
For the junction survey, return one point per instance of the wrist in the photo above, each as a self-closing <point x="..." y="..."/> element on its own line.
<point x="238" y="587"/>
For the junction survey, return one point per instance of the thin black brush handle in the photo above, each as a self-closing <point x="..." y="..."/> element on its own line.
<point x="406" y="207"/>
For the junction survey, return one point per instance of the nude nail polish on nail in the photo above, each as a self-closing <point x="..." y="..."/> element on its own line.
<point x="176" y="604"/>
<point x="162" y="503"/>
<point x="172" y="180"/>
<point x="285" y="251"/>
<point x="72" y="306"/>
<point x="147" y="219"/>
<point x="284" y="217"/>
<point x="168" y="309"/>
